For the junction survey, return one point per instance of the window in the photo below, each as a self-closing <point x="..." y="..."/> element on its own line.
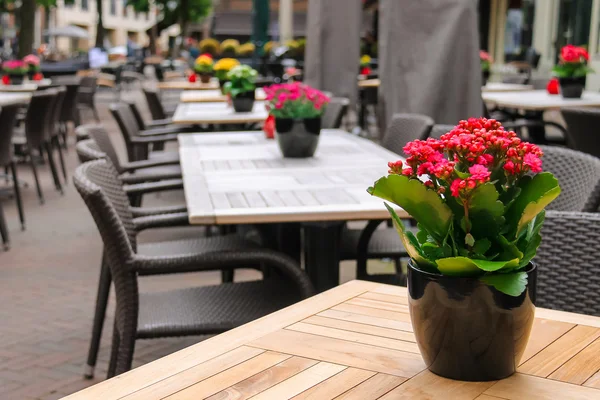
<point x="84" y="5"/>
<point x="125" y="9"/>
<point x="573" y="23"/>
<point x="518" y="34"/>
<point x="113" y="7"/>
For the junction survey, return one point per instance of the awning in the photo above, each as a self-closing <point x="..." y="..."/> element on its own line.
<point x="68" y="31"/>
<point x="239" y="23"/>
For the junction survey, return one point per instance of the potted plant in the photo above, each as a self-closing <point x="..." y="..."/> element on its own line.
<point x="269" y="46"/>
<point x="229" y="47"/>
<point x="222" y="67"/>
<point x="15" y="70"/>
<point x="365" y="65"/>
<point x="246" y="49"/>
<point x="297" y="109"/>
<point x="33" y="65"/>
<point x="486" y="65"/>
<point x="571" y="71"/>
<point x="478" y="196"/>
<point x="209" y="46"/>
<point x="203" y="66"/>
<point x="241" y="87"/>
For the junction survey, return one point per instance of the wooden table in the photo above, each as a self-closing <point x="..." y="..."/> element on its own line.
<point x="493" y="87"/>
<point x="540" y="100"/>
<point x="217" y="113"/>
<point x="369" y="83"/>
<point x="241" y="178"/>
<point x="185" y="85"/>
<point x="356" y="342"/>
<point x="203" y="96"/>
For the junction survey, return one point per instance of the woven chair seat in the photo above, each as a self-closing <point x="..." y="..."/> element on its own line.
<point x="164" y="156"/>
<point x="384" y="243"/>
<point x="153" y="173"/>
<point x="211" y="309"/>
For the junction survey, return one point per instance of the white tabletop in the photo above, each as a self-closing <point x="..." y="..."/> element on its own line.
<point x="540" y="100"/>
<point x="241" y="177"/>
<point x="505" y="87"/>
<point x="217" y="113"/>
<point x="12" y="98"/>
<point x="202" y="96"/>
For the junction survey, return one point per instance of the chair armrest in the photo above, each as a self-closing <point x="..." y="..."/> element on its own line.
<point x="158" y="131"/>
<point x="152" y="187"/>
<point x="161" y="221"/>
<point x="134" y="165"/>
<point x="159" y="122"/>
<point x="153" y="139"/>
<point x="146" y="211"/>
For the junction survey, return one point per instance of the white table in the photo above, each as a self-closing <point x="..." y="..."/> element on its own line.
<point x="241" y="178"/>
<point x="217" y="113"/>
<point x="204" y="96"/>
<point x="26" y="87"/>
<point x="540" y="100"/>
<point x="493" y="87"/>
<point x="12" y="98"/>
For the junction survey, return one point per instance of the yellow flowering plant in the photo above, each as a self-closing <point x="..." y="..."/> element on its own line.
<point x="204" y="64"/>
<point x="365" y="60"/>
<point x="210" y="46"/>
<point x="246" y="49"/>
<point x="223" y="66"/>
<point x="229" y="46"/>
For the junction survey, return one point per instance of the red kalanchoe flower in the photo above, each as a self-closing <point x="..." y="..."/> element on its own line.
<point x="533" y="162"/>
<point x="5" y="80"/>
<point x="552" y="87"/>
<point x="269" y="127"/>
<point x="395" y="167"/>
<point x="38" y="76"/>
<point x="479" y="173"/>
<point x="192" y="78"/>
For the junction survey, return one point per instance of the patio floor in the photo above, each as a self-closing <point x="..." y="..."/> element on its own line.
<point x="48" y="285"/>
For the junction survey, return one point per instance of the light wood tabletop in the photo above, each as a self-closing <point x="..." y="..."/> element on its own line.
<point x="493" y="87"/>
<point x="185" y="85"/>
<point x="217" y="113"/>
<point x="241" y="177"/>
<point x="203" y="96"/>
<point x="369" y="83"/>
<point x="539" y="100"/>
<point x="356" y="342"/>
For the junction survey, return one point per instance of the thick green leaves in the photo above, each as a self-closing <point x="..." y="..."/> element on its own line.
<point x="536" y="194"/>
<point x="530" y="243"/>
<point x="485" y="211"/>
<point x="464" y="266"/>
<point x="421" y="203"/>
<point x="512" y="284"/>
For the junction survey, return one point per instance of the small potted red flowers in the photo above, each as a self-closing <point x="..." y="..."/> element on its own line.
<point x="33" y="65"/>
<point x="297" y="109"/>
<point x="571" y="71"/>
<point x="486" y="65"/>
<point x="478" y="195"/>
<point x="15" y="70"/>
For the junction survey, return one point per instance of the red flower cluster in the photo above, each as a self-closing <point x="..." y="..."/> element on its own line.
<point x="574" y="54"/>
<point x="465" y="157"/>
<point x="484" y="56"/>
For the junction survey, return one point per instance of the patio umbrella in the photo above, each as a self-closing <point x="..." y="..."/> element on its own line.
<point x="333" y="46"/>
<point x="68" y="31"/>
<point x="429" y="59"/>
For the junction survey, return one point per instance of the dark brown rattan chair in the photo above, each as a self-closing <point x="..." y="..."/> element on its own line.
<point x="86" y="97"/>
<point x="578" y="175"/>
<point x="194" y="311"/>
<point x="582" y="124"/>
<point x="405" y="128"/>
<point x="440" y="129"/>
<point x="334" y="113"/>
<point x="156" y="107"/>
<point x="54" y="127"/>
<point x="69" y="110"/>
<point x="8" y="118"/>
<point x="569" y="263"/>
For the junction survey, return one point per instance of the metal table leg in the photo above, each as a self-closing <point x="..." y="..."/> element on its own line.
<point x="322" y="253"/>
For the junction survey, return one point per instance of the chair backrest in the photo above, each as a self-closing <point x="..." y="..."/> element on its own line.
<point x="582" y="124"/>
<point x="87" y="89"/>
<point x="405" y="128"/>
<point x="87" y="150"/>
<point x="69" y="107"/>
<point x="334" y="113"/>
<point x="128" y="125"/>
<point x="569" y="263"/>
<point x="37" y="117"/>
<point x="137" y="114"/>
<point x="100" y="136"/>
<point x="440" y="129"/>
<point x="156" y="108"/>
<point x="8" y="118"/>
<point x="54" y="118"/>
<point x="518" y="79"/>
<point x="99" y="184"/>
<point x="578" y="175"/>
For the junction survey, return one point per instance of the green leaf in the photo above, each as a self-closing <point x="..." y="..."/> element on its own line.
<point x="410" y="243"/>
<point x="485" y="211"/>
<point x="464" y="266"/>
<point x="512" y="284"/>
<point x="423" y="204"/>
<point x="536" y="194"/>
<point x="469" y="240"/>
<point x="422" y="235"/>
<point x="532" y="240"/>
<point x="509" y="250"/>
<point x="481" y="246"/>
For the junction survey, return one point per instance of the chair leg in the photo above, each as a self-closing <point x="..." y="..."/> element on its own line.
<point x="99" y="315"/>
<point x="4" y="230"/>
<point x="126" y="349"/>
<point x="35" y="177"/>
<point x="114" y="353"/>
<point x="13" y="168"/>
<point x="227" y="275"/>
<point x="60" y="158"/>
<point x="53" y="168"/>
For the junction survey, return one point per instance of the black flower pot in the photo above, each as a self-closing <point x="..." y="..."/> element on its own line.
<point x="243" y="102"/>
<point x="298" y="138"/>
<point x="16" y="79"/>
<point x="467" y="330"/>
<point x="222" y="83"/>
<point x="204" y="78"/>
<point x="572" y="88"/>
<point x="485" y="76"/>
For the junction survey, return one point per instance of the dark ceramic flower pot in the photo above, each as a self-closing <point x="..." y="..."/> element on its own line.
<point x="572" y="88"/>
<point x="222" y="83"/>
<point x="16" y="79"/>
<point x="298" y="138"/>
<point x="485" y="76"/>
<point x="467" y="330"/>
<point x="204" y="78"/>
<point x="243" y="102"/>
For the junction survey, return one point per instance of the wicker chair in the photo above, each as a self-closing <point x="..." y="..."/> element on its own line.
<point x="371" y="242"/>
<point x="8" y="117"/>
<point x="138" y="142"/>
<point x="130" y="172"/>
<point x="54" y="128"/>
<point x="568" y="263"/>
<point x="194" y="311"/>
<point x="582" y="124"/>
<point x="157" y="109"/>
<point x="579" y="177"/>
<point x="86" y="97"/>
<point x="440" y="129"/>
<point x="69" y="110"/>
<point x="334" y="113"/>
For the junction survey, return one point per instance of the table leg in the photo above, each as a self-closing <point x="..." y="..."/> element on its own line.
<point x="537" y="134"/>
<point x="322" y="253"/>
<point x="283" y="237"/>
